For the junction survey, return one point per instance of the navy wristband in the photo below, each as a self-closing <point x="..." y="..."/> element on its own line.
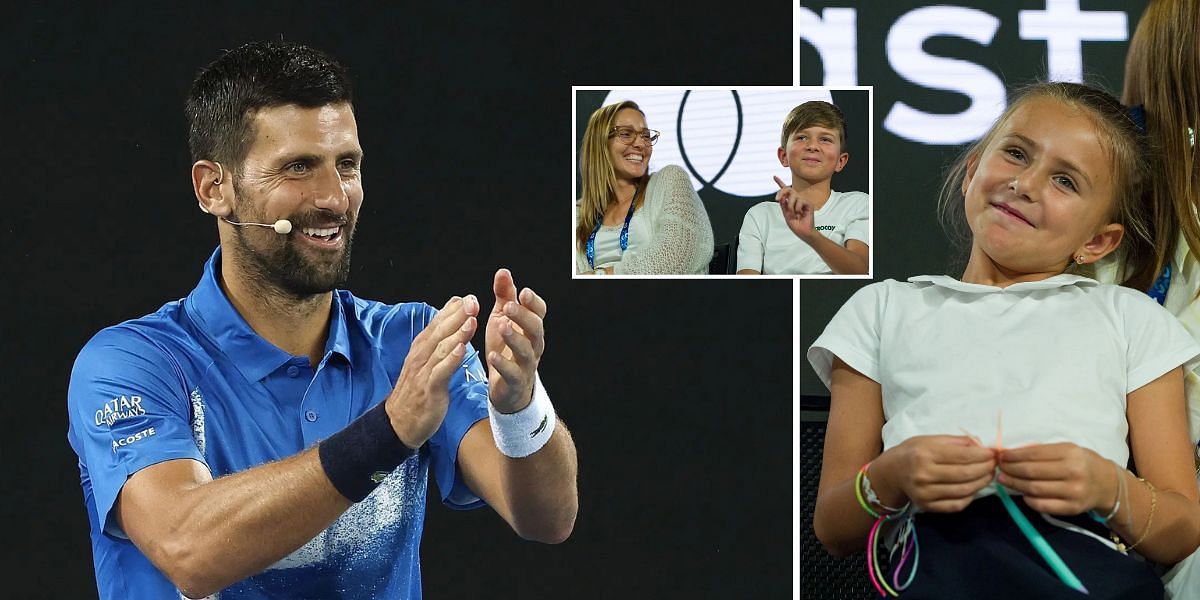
<point x="357" y="458"/>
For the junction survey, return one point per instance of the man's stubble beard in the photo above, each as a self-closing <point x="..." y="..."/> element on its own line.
<point x="283" y="269"/>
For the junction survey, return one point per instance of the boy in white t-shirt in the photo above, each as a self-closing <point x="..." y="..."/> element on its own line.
<point x="808" y="228"/>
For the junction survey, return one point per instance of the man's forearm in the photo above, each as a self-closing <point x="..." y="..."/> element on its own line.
<point x="540" y="489"/>
<point x="227" y="529"/>
<point x="841" y="260"/>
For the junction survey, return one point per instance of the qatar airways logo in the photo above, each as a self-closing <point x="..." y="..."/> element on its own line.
<point x="1062" y="25"/>
<point x="723" y="139"/>
<point x="119" y="408"/>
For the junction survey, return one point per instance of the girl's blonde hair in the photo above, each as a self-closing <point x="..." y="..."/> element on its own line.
<point x="596" y="170"/>
<point x="1128" y="154"/>
<point x="1162" y="73"/>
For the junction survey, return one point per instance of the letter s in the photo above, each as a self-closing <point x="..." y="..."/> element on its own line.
<point x="833" y="35"/>
<point x="985" y="90"/>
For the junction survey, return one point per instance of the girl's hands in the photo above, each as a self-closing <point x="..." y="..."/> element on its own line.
<point x="938" y="473"/>
<point x="1059" y="479"/>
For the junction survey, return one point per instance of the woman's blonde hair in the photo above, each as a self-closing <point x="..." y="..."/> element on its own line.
<point x="1162" y="73"/>
<point x="596" y="170"/>
<point x="1129" y="157"/>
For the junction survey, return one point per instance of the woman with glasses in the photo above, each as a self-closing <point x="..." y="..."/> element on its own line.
<point x="629" y="221"/>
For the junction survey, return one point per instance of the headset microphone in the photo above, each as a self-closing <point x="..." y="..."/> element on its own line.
<point x="282" y="226"/>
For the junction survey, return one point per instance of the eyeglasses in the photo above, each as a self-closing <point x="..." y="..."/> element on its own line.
<point x="628" y="134"/>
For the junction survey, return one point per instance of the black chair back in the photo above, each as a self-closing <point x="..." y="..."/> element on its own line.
<point x="720" y="260"/>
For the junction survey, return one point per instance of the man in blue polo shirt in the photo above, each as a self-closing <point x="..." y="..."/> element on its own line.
<point x="270" y="435"/>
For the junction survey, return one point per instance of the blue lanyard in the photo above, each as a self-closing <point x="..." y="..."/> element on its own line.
<point x="1158" y="291"/>
<point x="591" y="243"/>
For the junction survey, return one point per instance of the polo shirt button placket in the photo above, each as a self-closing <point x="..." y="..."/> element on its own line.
<point x="310" y="416"/>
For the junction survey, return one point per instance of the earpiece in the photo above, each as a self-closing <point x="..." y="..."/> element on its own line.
<point x="282" y="226"/>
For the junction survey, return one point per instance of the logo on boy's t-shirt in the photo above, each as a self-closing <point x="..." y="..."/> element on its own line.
<point x="824" y="227"/>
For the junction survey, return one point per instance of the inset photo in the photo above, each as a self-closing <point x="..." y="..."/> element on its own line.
<point x="671" y="182"/>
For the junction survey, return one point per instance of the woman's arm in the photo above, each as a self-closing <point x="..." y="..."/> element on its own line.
<point x="938" y="473"/>
<point x="681" y="240"/>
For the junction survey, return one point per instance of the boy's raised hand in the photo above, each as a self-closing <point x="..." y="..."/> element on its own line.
<point x="797" y="213"/>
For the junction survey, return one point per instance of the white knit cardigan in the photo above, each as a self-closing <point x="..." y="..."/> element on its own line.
<point x="671" y="229"/>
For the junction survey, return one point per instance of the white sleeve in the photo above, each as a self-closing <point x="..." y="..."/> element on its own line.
<point x="751" y="242"/>
<point x="858" y="226"/>
<point x="1157" y="342"/>
<point x="852" y="335"/>
<point x="682" y="238"/>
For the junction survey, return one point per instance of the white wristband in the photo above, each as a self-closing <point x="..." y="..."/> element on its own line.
<point x="524" y="432"/>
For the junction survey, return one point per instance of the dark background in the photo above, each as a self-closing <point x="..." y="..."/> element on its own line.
<point x="726" y="211"/>
<point x="908" y="240"/>
<point x="678" y="392"/>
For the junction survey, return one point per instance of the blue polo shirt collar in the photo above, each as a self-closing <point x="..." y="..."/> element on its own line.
<point x="338" y="342"/>
<point x="220" y="322"/>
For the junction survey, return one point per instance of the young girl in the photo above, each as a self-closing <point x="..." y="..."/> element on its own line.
<point x="1020" y="375"/>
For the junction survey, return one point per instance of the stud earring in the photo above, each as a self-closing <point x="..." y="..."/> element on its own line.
<point x="1079" y="259"/>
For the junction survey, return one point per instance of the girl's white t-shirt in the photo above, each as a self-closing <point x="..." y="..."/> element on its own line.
<point x="1049" y="361"/>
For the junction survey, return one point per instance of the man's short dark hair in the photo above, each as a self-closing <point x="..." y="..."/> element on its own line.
<point x="228" y="92"/>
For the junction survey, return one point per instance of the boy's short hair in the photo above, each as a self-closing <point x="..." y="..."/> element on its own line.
<point x="814" y="112"/>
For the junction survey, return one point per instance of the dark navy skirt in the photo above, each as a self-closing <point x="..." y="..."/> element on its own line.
<point x="980" y="553"/>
